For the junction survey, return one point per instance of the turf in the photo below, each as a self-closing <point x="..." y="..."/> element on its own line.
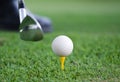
<point x="94" y="28"/>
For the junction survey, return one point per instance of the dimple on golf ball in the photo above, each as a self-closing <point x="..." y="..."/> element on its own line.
<point x="62" y="45"/>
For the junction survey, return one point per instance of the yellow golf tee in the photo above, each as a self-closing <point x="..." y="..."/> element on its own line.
<point x="62" y="60"/>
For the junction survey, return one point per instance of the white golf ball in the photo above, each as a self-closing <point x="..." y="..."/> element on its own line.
<point x="62" y="45"/>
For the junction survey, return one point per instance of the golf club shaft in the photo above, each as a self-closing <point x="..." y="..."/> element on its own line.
<point x="22" y="10"/>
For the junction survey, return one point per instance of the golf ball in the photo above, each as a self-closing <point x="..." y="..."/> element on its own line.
<point x="62" y="45"/>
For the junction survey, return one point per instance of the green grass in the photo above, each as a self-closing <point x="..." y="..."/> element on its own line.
<point x="94" y="28"/>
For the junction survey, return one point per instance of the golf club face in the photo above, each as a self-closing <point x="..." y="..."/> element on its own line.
<point x="30" y="29"/>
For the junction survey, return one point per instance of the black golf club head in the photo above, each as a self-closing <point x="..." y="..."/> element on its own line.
<point x="30" y="29"/>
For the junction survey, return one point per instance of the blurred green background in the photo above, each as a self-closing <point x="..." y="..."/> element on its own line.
<point x="80" y="15"/>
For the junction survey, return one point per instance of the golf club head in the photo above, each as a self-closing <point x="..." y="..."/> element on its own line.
<point x="30" y="30"/>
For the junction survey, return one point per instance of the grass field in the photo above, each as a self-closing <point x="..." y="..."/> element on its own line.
<point x="94" y="28"/>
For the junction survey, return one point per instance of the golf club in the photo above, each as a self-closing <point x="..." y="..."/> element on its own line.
<point x="30" y="29"/>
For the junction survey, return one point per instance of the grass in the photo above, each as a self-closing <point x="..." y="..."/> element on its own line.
<point x="94" y="28"/>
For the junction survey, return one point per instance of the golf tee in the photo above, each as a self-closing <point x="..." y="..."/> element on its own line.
<point x="62" y="60"/>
